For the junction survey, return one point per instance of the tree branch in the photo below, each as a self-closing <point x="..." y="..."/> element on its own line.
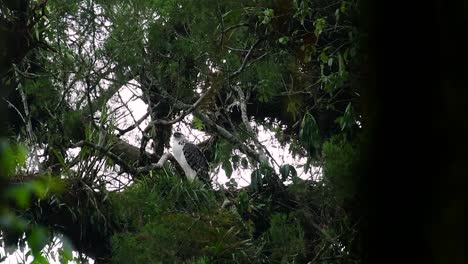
<point x="136" y="124"/>
<point x="189" y="110"/>
<point x="234" y="27"/>
<point x="158" y="165"/>
<point x="227" y="135"/>
<point x="243" y="106"/>
<point x="244" y="63"/>
<point x="108" y="153"/>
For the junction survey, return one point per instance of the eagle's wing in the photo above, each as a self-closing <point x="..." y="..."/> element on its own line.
<point x="196" y="160"/>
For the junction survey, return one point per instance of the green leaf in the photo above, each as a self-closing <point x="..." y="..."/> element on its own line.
<point x="235" y="161"/>
<point x="244" y="163"/>
<point x="347" y="120"/>
<point x="337" y="15"/>
<point x="227" y="167"/>
<point x="309" y="51"/>
<point x="197" y="123"/>
<point x="36" y="32"/>
<point x="256" y="179"/>
<point x="307" y="164"/>
<point x="309" y="134"/>
<point x="319" y="25"/>
<point x="346" y="53"/>
<point x="21" y="155"/>
<point x="39" y="259"/>
<point x="286" y="170"/>
<point x="344" y="6"/>
<point x="341" y="65"/>
<point x="21" y="195"/>
<point x="269" y="12"/>
<point x="243" y="204"/>
<point x="339" y="168"/>
<point x="11" y="156"/>
<point x="37" y="240"/>
<point x="223" y="150"/>
<point x="267" y="15"/>
<point x="283" y="40"/>
<point x="294" y="105"/>
<point x="323" y="57"/>
<point x="66" y="252"/>
<point x="40" y="189"/>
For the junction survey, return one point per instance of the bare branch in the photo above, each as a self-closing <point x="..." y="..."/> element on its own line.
<point x="189" y="110"/>
<point x="234" y="27"/>
<point x="14" y="107"/>
<point x="227" y="135"/>
<point x="244" y="63"/>
<point x="243" y="106"/>
<point x="136" y="124"/>
<point x="257" y="59"/>
<point x="158" y="165"/>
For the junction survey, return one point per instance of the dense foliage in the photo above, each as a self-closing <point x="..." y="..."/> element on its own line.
<point x="76" y="162"/>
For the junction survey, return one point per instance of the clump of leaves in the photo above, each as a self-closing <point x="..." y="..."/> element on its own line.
<point x="285" y="239"/>
<point x="16" y="201"/>
<point x="147" y="198"/>
<point x="168" y="219"/>
<point x="177" y="237"/>
<point x="339" y="167"/>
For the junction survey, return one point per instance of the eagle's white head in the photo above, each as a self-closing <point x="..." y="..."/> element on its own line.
<point x="178" y="138"/>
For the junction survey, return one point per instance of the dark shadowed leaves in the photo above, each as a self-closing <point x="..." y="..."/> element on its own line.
<point x="286" y="171"/>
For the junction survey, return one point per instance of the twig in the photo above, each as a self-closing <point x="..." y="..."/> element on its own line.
<point x="136" y="124"/>
<point x="234" y="27"/>
<point x="27" y="119"/>
<point x="244" y="63"/>
<point x="184" y="114"/>
<point x="227" y="135"/>
<point x="14" y="107"/>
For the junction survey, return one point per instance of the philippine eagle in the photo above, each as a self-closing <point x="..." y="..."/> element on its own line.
<point x="190" y="158"/>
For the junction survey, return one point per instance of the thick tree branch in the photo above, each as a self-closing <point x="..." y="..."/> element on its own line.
<point x="260" y="148"/>
<point x="159" y="165"/>
<point x="108" y="153"/>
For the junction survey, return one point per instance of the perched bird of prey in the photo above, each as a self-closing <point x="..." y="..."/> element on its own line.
<point x="190" y="158"/>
